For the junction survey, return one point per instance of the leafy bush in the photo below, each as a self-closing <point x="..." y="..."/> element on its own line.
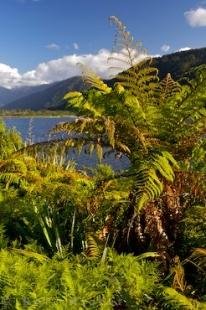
<point x="10" y="141"/>
<point x="193" y="229"/>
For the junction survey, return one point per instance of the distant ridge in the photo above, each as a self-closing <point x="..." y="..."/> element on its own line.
<point x="51" y="96"/>
<point x="179" y="63"/>
<point x="9" y="95"/>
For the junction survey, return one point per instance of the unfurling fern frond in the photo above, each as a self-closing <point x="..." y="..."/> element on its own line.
<point x="147" y="255"/>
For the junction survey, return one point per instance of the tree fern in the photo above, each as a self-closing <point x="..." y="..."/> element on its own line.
<point x="155" y="124"/>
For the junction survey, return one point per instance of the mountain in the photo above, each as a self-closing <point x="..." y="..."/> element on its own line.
<point x="48" y="98"/>
<point x="179" y="63"/>
<point x="4" y="96"/>
<point x="9" y="95"/>
<point x="51" y="96"/>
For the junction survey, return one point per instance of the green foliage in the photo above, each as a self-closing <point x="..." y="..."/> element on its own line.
<point x="159" y="125"/>
<point x="167" y="89"/>
<point x="148" y="185"/>
<point x="44" y="203"/>
<point x="3" y="239"/>
<point x="10" y="141"/>
<point x="193" y="229"/>
<point x="198" y="157"/>
<point x="172" y="300"/>
<point x="49" y="211"/>
<point x="28" y="284"/>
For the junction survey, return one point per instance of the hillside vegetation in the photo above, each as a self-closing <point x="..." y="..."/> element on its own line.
<point x="180" y="63"/>
<point x="100" y="239"/>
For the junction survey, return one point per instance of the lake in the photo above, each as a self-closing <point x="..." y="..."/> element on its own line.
<point x="38" y="129"/>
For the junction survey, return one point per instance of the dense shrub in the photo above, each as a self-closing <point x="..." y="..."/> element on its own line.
<point x="30" y="283"/>
<point x="10" y="141"/>
<point x="193" y="229"/>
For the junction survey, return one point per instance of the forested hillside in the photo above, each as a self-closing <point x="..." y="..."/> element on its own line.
<point x="10" y="95"/>
<point x="50" y="97"/>
<point x="180" y="63"/>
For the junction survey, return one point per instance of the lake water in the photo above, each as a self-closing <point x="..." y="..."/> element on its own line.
<point x="38" y="129"/>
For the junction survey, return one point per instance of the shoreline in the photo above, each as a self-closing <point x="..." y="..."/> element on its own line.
<point x="36" y="116"/>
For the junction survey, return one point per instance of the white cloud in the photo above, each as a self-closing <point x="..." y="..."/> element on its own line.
<point x="196" y="18"/>
<point x="63" y="68"/>
<point x="165" y="48"/>
<point x="76" y="46"/>
<point x="9" y="77"/>
<point x="183" y="49"/>
<point x="53" y="46"/>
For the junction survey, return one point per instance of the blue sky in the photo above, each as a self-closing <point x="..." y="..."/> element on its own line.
<point x="34" y="32"/>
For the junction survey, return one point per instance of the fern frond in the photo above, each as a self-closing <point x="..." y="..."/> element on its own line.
<point x="198" y="257"/>
<point x="92" y="249"/>
<point x="167" y="89"/>
<point x="178" y="273"/>
<point x="110" y="129"/>
<point x="99" y="151"/>
<point x="171" y="299"/>
<point x="141" y="80"/>
<point x="94" y="80"/>
<point x="149" y="180"/>
<point x="93" y="133"/>
<point x="30" y="254"/>
<point x="75" y="98"/>
<point x="13" y="165"/>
